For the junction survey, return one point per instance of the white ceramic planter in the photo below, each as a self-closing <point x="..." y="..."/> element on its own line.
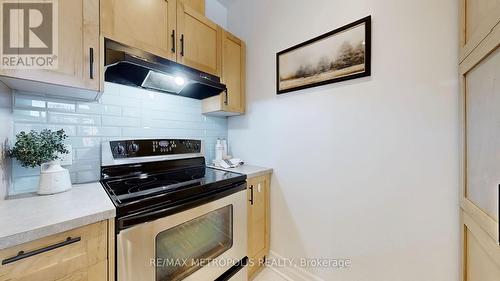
<point x="53" y="178"/>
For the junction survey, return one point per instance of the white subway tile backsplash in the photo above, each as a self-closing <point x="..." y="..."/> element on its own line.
<point x="96" y="108"/>
<point x="21" y="101"/>
<point x="88" y="176"/>
<point x="98" y="131"/>
<point x="24" y="184"/>
<point x="120" y="101"/>
<point x="61" y="106"/>
<point x="131" y="112"/>
<point x="87" y="153"/>
<point x="21" y="115"/>
<point x="120" y="121"/>
<point x="72" y="118"/>
<point x="122" y="112"/>
<point x="77" y="142"/>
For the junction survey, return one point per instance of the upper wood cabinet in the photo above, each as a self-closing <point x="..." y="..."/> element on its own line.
<point x="77" y="51"/>
<point x="231" y="102"/>
<point x="148" y="25"/>
<point x="198" y="5"/>
<point x="199" y="41"/>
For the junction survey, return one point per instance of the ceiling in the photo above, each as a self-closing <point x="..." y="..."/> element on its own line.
<point x="226" y="3"/>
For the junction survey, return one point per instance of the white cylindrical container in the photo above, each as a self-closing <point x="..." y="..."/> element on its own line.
<point x="219" y="151"/>
<point x="224" y="152"/>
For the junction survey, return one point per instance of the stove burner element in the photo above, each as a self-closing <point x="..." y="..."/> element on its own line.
<point x="141" y="181"/>
<point x="149" y="184"/>
<point x="158" y="187"/>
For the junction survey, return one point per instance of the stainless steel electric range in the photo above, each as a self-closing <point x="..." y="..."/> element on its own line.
<point x="176" y="219"/>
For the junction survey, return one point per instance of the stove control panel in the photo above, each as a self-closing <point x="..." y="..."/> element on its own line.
<point x="153" y="147"/>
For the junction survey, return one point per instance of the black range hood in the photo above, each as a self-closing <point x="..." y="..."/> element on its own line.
<point x="133" y="67"/>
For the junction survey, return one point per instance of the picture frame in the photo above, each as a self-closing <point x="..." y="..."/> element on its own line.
<point x="339" y="55"/>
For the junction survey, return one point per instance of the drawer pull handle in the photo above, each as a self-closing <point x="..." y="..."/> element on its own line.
<point x="182" y="44"/>
<point x="251" y="195"/>
<point x="22" y="255"/>
<point x="91" y="63"/>
<point x="173" y="41"/>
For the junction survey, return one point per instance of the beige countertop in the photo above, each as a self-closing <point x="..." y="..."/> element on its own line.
<point x="249" y="170"/>
<point x="27" y="219"/>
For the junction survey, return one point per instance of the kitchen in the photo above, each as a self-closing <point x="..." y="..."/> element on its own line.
<point x="360" y="177"/>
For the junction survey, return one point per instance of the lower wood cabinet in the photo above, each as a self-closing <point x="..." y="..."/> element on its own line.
<point x="258" y="222"/>
<point x="76" y="255"/>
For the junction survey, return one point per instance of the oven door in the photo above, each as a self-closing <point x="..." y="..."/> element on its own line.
<point x="199" y="244"/>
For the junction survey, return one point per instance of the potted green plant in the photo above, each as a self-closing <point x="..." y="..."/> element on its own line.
<point x="42" y="149"/>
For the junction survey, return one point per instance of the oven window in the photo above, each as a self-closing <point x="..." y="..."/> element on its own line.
<point x="183" y="249"/>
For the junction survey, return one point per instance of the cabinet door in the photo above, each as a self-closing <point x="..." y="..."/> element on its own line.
<point x="77" y="45"/>
<point x="258" y="221"/>
<point x="84" y="258"/>
<point x="148" y="25"/>
<point x="199" y="41"/>
<point x="233" y="75"/>
<point x="198" y="5"/>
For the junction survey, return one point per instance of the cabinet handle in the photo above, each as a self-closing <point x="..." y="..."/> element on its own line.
<point x="173" y="41"/>
<point x="22" y="255"/>
<point x="251" y="195"/>
<point x="182" y="44"/>
<point x="226" y="97"/>
<point x="91" y="60"/>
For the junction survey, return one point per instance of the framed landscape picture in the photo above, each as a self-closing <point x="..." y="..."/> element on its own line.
<point x="339" y="55"/>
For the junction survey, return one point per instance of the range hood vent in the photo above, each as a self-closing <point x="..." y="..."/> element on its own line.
<point x="136" y="68"/>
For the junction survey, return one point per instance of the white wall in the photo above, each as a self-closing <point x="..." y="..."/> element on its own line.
<point x="5" y="134"/>
<point x="365" y="169"/>
<point x="216" y="12"/>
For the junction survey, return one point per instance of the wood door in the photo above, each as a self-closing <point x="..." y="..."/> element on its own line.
<point x="258" y="221"/>
<point x="77" y="48"/>
<point x="197" y="5"/>
<point x="233" y="75"/>
<point x="199" y="41"/>
<point x="148" y="25"/>
<point x="84" y="259"/>
<point x="480" y="88"/>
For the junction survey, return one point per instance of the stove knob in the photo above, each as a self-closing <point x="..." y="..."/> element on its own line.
<point x="133" y="148"/>
<point x="119" y="149"/>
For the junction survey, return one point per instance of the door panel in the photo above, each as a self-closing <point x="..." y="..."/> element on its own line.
<point x="257" y="217"/>
<point x="481" y="254"/>
<point x="478" y="17"/>
<point x="233" y="72"/>
<point x="199" y="41"/>
<point x="483" y="134"/>
<point x="78" y="32"/>
<point x="143" y="24"/>
<point x="480" y="87"/>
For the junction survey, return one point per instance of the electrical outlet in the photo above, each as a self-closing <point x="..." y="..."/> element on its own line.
<point x="67" y="159"/>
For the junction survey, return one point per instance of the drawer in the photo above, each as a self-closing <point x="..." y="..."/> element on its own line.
<point x="96" y="272"/>
<point x="71" y="255"/>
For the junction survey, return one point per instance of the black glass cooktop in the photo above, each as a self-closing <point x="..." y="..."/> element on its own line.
<point x="196" y="179"/>
<point x="145" y="191"/>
